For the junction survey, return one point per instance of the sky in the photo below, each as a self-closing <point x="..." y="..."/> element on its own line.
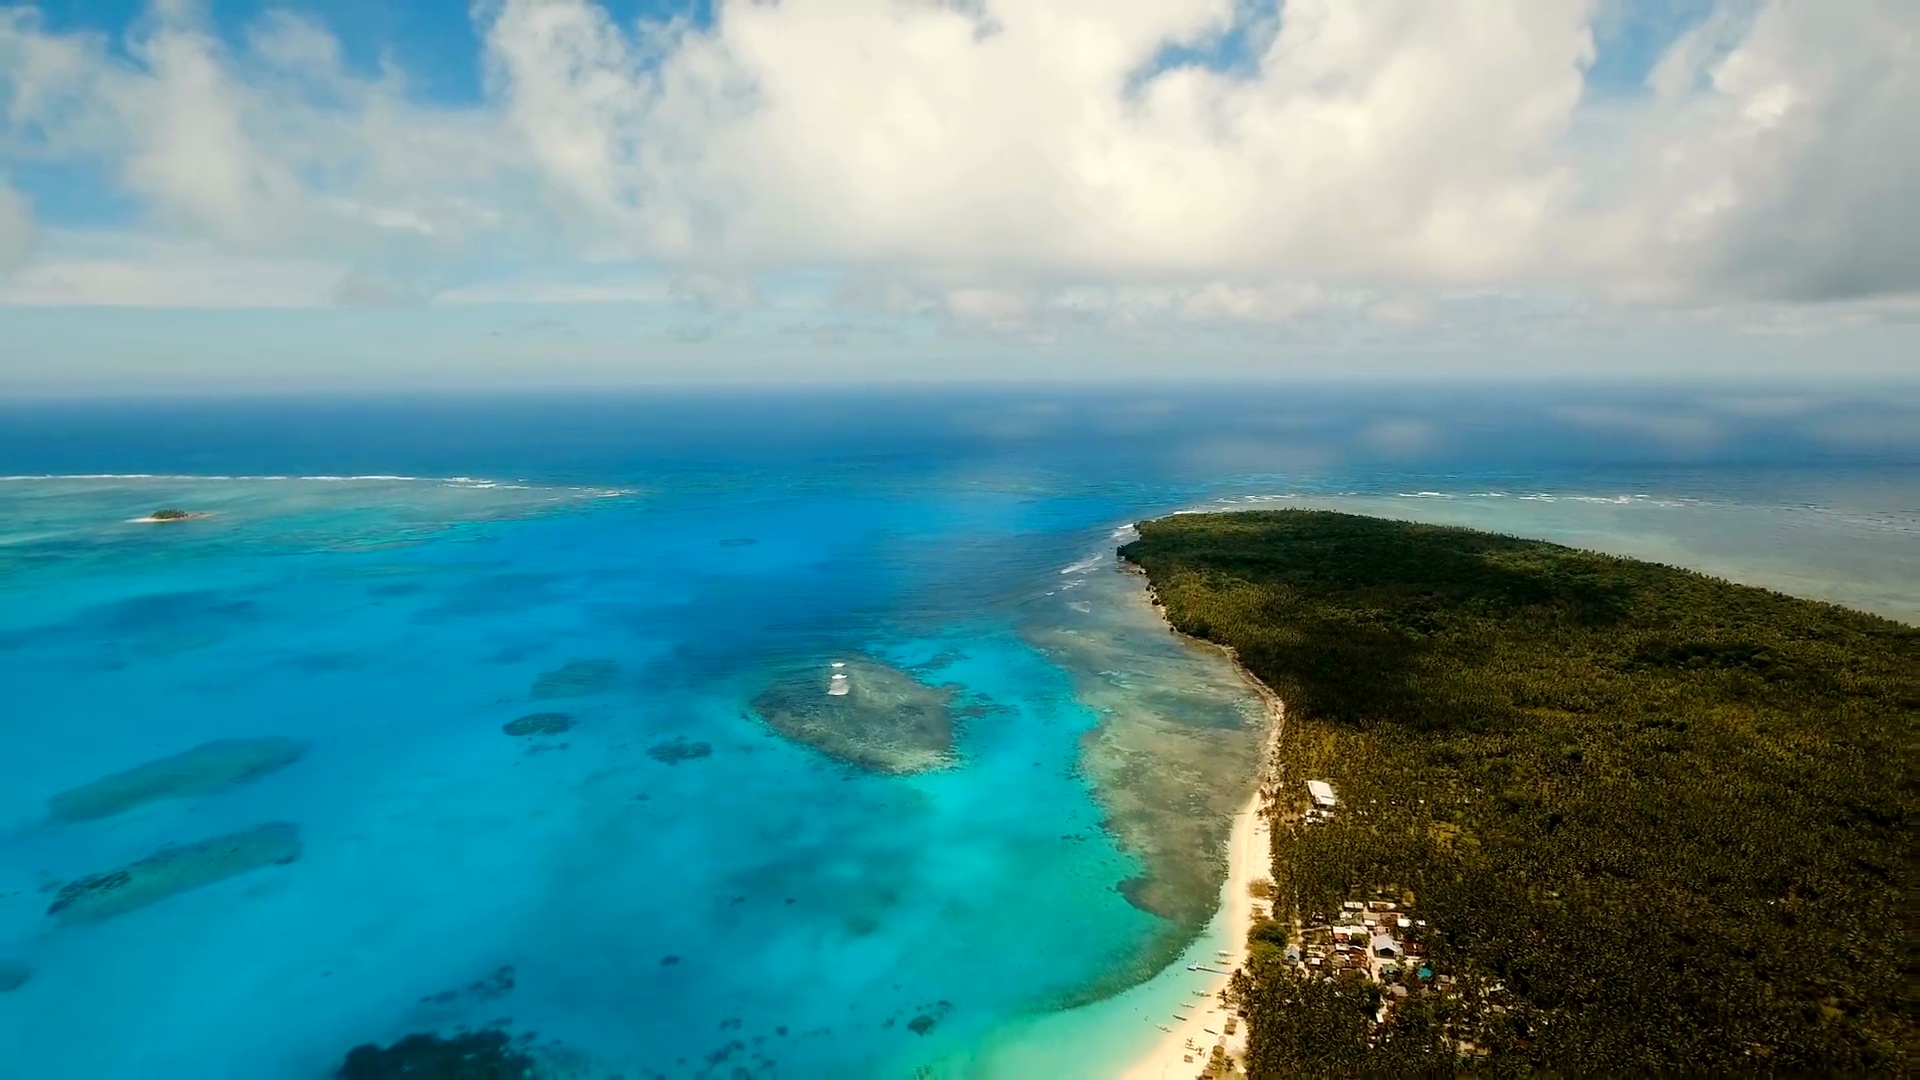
<point x="356" y="193"/>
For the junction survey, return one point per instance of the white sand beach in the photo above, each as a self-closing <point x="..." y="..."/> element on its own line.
<point x="1184" y="1052"/>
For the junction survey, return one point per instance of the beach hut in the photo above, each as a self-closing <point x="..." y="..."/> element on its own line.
<point x="1322" y="793"/>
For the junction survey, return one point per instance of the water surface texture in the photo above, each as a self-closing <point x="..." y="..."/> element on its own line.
<point x="489" y="669"/>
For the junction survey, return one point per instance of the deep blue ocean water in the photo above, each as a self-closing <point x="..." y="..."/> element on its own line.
<point x="388" y="580"/>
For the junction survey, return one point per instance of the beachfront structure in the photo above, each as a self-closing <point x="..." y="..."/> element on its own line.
<point x="1322" y="793"/>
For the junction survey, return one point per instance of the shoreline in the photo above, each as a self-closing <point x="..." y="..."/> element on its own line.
<point x="1188" y="1044"/>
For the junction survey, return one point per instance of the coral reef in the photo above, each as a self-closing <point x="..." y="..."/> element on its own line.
<point x="580" y="678"/>
<point x="885" y="721"/>
<point x="202" y="770"/>
<point x="476" y="1055"/>
<point x="495" y="986"/>
<point x="675" y="751"/>
<point x="174" y="870"/>
<point x="13" y="975"/>
<point x="541" y="723"/>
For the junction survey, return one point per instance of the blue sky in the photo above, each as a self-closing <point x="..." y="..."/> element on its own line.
<point x="875" y="188"/>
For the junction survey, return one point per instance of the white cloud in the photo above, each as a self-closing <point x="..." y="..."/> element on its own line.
<point x="1769" y="163"/>
<point x="359" y="290"/>
<point x="17" y="231"/>
<point x="1401" y="310"/>
<point x="992" y="308"/>
<point x="642" y="289"/>
<point x="275" y="150"/>
<point x="1377" y="140"/>
<point x="123" y="271"/>
<point x="1023" y="167"/>
<point x="716" y="292"/>
<point x="1274" y="303"/>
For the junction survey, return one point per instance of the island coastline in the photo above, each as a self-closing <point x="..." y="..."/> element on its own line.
<point x="1188" y="1044"/>
<point x="1184" y="1049"/>
<point x="1489" y="653"/>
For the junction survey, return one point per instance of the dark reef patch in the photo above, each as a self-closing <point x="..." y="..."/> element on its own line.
<point x="581" y="678"/>
<point x="495" y="594"/>
<point x="161" y="613"/>
<point x="476" y="1055"/>
<point x="495" y="986"/>
<point x="738" y="541"/>
<point x="887" y="721"/>
<point x="202" y="770"/>
<point x="675" y="751"/>
<point x="540" y="723"/>
<point x="176" y="869"/>
<point x="927" y="1016"/>
<point x="158" y="624"/>
<point x="13" y="975"/>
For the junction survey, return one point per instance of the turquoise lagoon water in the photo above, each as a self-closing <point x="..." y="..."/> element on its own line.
<point x="389" y="582"/>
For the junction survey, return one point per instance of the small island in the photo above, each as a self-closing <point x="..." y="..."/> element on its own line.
<point x="1567" y="813"/>
<point x="169" y="514"/>
<point x="863" y="712"/>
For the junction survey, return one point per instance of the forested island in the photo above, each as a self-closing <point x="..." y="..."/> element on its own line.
<point x="1648" y="821"/>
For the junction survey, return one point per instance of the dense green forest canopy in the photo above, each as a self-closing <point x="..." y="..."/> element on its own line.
<point x="1667" y="815"/>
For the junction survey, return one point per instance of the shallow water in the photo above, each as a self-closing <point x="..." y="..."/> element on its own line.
<point x="677" y="889"/>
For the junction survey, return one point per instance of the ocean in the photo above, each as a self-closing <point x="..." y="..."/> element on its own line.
<point x="673" y="885"/>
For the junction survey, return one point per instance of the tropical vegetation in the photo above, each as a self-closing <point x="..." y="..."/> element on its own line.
<point x="1651" y="820"/>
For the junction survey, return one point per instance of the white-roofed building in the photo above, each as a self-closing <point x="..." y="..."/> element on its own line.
<point x="1322" y="793"/>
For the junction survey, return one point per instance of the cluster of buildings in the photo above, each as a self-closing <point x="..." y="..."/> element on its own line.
<point x="1371" y="938"/>
<point x="1375" y="938"/>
